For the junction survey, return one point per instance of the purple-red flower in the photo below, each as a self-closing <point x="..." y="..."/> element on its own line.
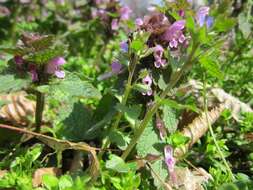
<point x="139" y="22"/>
<point x="53" y="67"/>
<point x="18" y="60"/>
<point x="169" y="159"/>
<point x="174" y="31"/>
<point x="116" y="67"/>
<point x="125" y="12"/>
<point x="124" y="46"/>
<point x="160" y="126"/>
<point x="201" y="15"/>
<point x="147" y="80"/>
<point x="115" y="24"/>
<point x="33" y="72"/>
<point x="158" y="54"/>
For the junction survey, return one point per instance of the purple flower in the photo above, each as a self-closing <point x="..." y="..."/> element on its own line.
<point x="139" y="22"/>
<point x="115" y="24"/>
<point x="201" y="15"/>
<point x="33" y="72"/>
<point x="116" y="67"/>
<point x="125" y="12"/>
<point x="169" y="159"/>
<point x="158" y="54"/>
<point x="158" y="51"/>
<point x="18" y="60"/>
<point x="124" y="46"/>
<point x="160" y="126"/>
<point x="53" y="67"/>
<point x="174" y="31"/>
<point x="147" y="80"/>
<point x="181" y="13"/>
<point x="209" y="21"/>
<point x="173" y="43"/>
<point x="160" y="62"/>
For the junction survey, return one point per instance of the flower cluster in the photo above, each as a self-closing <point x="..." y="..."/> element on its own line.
<point x="105" y="8"/>
<point x="51" y="68"/>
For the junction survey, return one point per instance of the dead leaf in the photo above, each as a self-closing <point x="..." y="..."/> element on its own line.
<point x="2" y="173"/>
<point x="38" y="174"/>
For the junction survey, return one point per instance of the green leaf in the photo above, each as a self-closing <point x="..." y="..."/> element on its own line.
<point x="76" y="125"/>
<point x="229" y="186"/>
<point x="148" y="142"/>
<point x="73" y="86"/>
<point x="15" y="51"/>
<point x="223" y="23"/>
<point x="43" y="42"/>
<point x="9" y="83"/>
<point x="137" y="45"/>
<point x="211" y="67"/>
<point x="119" y="139"/>
<point x="117" y="164"/>
<point x="244" y="25"/>
<point x="50" y="181"/>
<point x="65" y="182"/>
<point x="169" y="119"/>
<point x="131" y="113"/>
<point x="177" y="139"/>
<point x="160" y="169"/>
<point x="44" y="56"/>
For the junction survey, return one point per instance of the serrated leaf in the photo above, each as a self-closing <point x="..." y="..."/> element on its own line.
<point x="43" y="43"/>
<point x="211" y="67"/>
<point x="44" y="56"/>
<point x="169" y="119"/>
<point x="15" y="51"/>
<point x="148" y="142"/>
<point x="76" y="125"/>
<point x="223" y="23"/>
<point x="160" y="169"/>
<point x="9" y="83"/>
<point x="73" y="86"/>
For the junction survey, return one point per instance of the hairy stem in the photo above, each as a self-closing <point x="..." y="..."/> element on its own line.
<point x="124" y="101"/>
<point x="147" y="118"/>
<point x="40" y="100"/>
<point x="211" y="129"/>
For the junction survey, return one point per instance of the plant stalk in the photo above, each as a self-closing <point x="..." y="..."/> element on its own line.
<point x="174" y="79"/>
<point x="124" y="101"/>
<point x="40" y="101"/>
<point x="211" y="129"/>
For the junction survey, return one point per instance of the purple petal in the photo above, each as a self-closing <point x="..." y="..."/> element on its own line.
<point x="34" y="75"/>
<point x="174" y="31"/>
<point x="160" y="126"/>
<point x="169" y="159"/>
<point x="173" y="43"/>
<point x="116" y="67"/>
<point x="201" y="15"/>
<point x="18" y="60"/>
<point x="59" y="74"/>
<point x="181" y="38"/>
<point x="125" y="12"/>
<point x="115" y="24"/>
<point x="139" y="22"/>
<point x="158" y="51"/>
<point x="58" y="61"/>
<point x="209" y="22"/>
<point x="181" y="13"/>
<point x="124" y="46"/>
<point x="147" y="80"/>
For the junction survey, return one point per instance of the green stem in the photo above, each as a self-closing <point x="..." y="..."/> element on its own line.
<point x="124" y="101"/>
<point x="40" y="99"/>
<point x="211" y="129"/>
<point x="174" y="79"/>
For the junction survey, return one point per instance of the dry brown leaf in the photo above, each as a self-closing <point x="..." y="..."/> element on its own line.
<point x="18" y="108"/>
<point x="198" y="128"/>
<point x="38" y="174"/>
<point x="189" y="180"/>
<point x="2" y="173"/>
